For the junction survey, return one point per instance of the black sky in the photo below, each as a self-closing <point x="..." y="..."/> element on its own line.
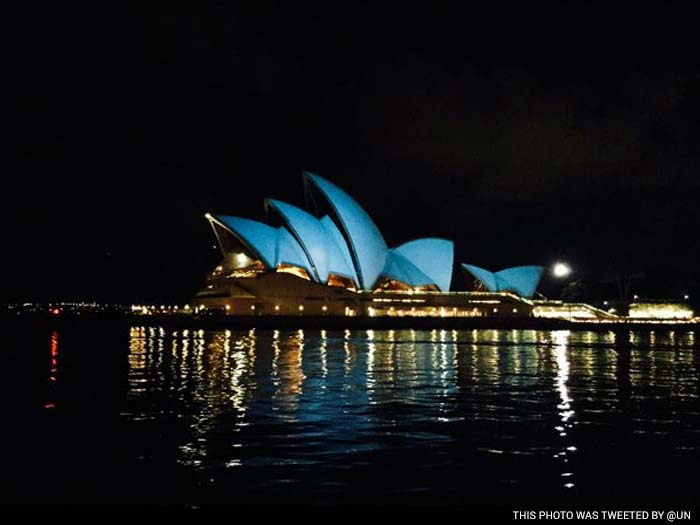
<point x="525" y="136"/>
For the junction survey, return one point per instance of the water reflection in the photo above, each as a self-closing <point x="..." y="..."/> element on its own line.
<point x="290" y="376"/>
<point x="566" y="413"/>
<point x="53" y="372"/>
<point x="449" y="399"/>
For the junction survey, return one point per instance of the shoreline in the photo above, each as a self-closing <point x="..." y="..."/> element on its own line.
<point x="343" y="323"/>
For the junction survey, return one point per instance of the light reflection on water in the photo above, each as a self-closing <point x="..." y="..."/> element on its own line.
<point x="50" y="401"/>
<point x="566" y="413"/>
<point x="493" y="408"/>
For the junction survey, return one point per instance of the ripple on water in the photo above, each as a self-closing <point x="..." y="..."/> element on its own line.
<point x="298" y="416"/>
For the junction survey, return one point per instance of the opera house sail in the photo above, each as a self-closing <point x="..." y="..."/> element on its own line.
<point x="331" y="259"/>
<point x="522" y="280"/>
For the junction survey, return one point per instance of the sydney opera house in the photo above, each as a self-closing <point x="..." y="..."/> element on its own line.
<point x="331" y="259"/>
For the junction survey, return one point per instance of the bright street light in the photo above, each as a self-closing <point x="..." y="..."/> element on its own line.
<point x="561" y="270"/>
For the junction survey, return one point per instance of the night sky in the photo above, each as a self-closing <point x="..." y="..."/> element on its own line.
<point x="569" y="133"/>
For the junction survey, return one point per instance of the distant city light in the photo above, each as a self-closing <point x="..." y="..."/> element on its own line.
<point x="561" y="270"/>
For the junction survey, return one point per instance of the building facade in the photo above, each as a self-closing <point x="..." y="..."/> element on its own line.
<point x="331" y="259"/>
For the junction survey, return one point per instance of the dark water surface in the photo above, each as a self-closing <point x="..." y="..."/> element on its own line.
<point x="118" y="414"/>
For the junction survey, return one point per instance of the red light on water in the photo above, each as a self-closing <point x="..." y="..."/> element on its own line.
<point x="55" y="311"/>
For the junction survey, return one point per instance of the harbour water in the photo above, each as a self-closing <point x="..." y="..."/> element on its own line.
<point x="145" y="414"/>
